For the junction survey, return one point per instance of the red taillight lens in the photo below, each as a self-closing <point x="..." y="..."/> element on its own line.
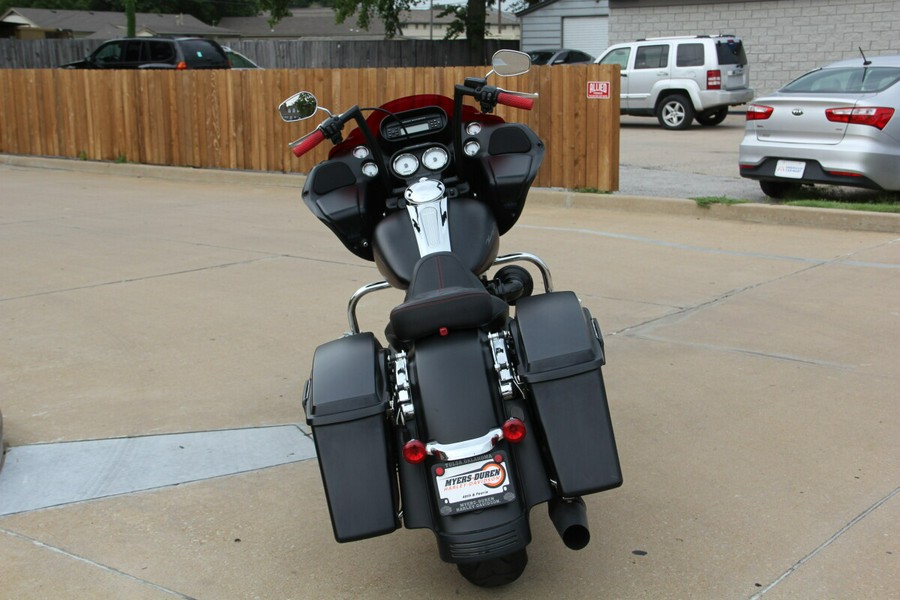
<point x="181" y="65"/>
<point x="875" y="116"/>
<point x="759" y="112"/>
<point x="514" y="430"/>
<point x="714" y="80"/>
<point x="414" y="452"/>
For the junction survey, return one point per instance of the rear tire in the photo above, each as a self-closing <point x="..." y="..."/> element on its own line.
<point x="675" y="112"/>
<point x="497" y="571"/>
<point x="713" y="117"/>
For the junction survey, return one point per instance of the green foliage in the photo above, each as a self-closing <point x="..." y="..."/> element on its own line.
<point x="388" y="11"/>
<point x="885" y="207"/>
<point x="707" y="201"/>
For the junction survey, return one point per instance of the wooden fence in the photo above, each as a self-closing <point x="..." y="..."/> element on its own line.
<point x="278" y="54"/>
<point x="228" y="119"/>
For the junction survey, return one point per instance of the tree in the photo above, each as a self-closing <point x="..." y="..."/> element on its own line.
<point x="470" y="19"/>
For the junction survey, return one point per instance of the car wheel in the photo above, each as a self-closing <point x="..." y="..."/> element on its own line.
<point x="776" y="189"/>
<point x="675" y="112"/>
<point x="712" y="117"/>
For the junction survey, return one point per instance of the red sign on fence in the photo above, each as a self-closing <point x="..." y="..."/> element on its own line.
<point x="598" y="89"/>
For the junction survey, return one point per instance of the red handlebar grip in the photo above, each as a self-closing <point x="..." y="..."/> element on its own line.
<point x="308" y="143"/>
<point x="515" y="101"/>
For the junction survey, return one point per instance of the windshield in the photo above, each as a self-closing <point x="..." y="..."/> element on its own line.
<point x="845" y="80"/>
<point x="540" y="57"/>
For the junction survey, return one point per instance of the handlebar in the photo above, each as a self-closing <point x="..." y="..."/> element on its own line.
<point x="308" y="143"/>
<point x="515" y="101"/>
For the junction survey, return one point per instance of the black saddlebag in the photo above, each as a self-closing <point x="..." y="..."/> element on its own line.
<point x="346" y="403"/>
<point x="559" y="352"/>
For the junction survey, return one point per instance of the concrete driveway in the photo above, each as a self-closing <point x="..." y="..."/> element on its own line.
<point x="158" y="325"/>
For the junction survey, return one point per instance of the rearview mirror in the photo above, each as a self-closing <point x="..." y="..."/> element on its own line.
<point x="508" y="63"/>
<point x="301" y="105"/>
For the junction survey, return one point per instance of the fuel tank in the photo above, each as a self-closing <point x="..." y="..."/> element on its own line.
<point x="474" y="238"/>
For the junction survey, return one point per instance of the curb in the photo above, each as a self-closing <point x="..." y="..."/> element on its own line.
<point x="848" y="220"/>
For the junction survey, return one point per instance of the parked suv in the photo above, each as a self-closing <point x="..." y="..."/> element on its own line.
<point x="679" y="79"/>
<point x="155" y="53"/>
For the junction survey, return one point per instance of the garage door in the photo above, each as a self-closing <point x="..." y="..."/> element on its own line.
<point x="590" y="34"/>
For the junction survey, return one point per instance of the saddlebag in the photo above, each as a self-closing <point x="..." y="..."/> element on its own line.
<point x="559" y="353"/>
<point x="346" y="403"/>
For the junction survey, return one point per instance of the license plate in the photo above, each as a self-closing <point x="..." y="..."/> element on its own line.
<point x="792" y="169"/>
<point x="473" y="484"/>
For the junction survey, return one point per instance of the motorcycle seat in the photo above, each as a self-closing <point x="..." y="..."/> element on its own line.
<point x="444" y="295"/>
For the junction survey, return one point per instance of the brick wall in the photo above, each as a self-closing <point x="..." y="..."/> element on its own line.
<point x="783" y="38"/>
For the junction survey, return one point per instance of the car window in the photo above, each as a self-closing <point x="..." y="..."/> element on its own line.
<point x="651" y="57"/>
<point x="202" y="53"/>
<point x="239" y="61"/>
<point x="731" y="52"/>
<point x="161" y="52"/>
<point x="689" y="55"/>
<point x="845" y="80"/>
<point x="109" y="53"/>
<point x="576" y="56"/>
<point x="540" y="58"/>
<point x="132" y="52"/>
<point x="619" y="56"/>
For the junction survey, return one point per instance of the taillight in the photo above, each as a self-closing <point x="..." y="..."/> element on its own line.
<point x="513" y="430"/>
<point x="414" y="452"/>
<point x="759" y="112"/>
<point x="181" y="65"/>
<point x="875" y="116"/>
<point x="714" y="80"/>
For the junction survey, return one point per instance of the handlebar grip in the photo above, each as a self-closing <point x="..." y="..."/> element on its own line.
<point x="308" y="143"/>
<point x="515" y="101"/>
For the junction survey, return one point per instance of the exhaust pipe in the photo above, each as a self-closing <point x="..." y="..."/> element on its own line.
<point x="569" y="516"/>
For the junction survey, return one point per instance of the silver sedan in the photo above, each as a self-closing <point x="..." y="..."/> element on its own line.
<point x="835" y="125"/>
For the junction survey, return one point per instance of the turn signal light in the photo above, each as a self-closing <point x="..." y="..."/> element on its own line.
<point x="181" y="65"/>
<point x="514" y="430"/>
<point x="414" y="452"/>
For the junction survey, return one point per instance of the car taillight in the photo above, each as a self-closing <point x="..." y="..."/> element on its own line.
<point x="714" y="80"/>
<point x="875" y="116"/>
<point x="759" y="112"/>
<point x="181" y="65"/>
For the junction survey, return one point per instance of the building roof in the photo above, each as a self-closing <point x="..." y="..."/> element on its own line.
<point x="108" y="24"/>
<point x="307" y="23"/>
<point x="319" y="23"/>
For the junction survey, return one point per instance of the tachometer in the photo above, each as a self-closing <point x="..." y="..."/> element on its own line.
<point x="435" y="158"/>
<point x="405" y="165"/>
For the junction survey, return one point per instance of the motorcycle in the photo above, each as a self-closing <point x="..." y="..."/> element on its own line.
<point x="488" y="398"/>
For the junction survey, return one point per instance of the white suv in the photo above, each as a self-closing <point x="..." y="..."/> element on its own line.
<point x="678" y="79"/>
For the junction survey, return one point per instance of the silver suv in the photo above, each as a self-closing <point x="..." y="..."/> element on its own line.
<point x="678" y="79"/>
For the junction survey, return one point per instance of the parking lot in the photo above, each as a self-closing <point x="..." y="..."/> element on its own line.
<point x="158" y="325"/>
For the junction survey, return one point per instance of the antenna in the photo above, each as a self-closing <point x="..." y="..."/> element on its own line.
<point x="866" y="61"/>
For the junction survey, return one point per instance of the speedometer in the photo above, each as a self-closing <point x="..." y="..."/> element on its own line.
<point x="405" y="165"/>
<point x="435" y="158"/>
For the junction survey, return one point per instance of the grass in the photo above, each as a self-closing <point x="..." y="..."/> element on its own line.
<point x="828" y="197"/>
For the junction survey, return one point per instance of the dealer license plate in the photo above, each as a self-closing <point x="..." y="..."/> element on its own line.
<point x="792" y="169"/>
<point x="473" y="484"/>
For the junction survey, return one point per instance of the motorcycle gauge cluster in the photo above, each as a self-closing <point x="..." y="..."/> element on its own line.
<point x="370" y="169"/>
<point x="435" y="158"/>
<point x="360" y="152"/>
<point x="473" y="128"/>
<point x="405" y="165"/>
<point x="471" y="148"/>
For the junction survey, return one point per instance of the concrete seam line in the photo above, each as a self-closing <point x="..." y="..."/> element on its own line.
<point x="95" y="564"/>
<point x="825" y="544"/>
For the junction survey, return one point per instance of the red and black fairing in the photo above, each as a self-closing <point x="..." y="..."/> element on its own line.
<point x="486" y="191"/>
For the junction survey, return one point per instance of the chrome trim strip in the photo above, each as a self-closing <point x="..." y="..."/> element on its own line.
<point x="356" y="297"/>
<point x="466" y="448"/>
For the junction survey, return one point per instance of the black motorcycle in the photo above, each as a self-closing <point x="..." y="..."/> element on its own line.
<point x="488" y="399"/>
